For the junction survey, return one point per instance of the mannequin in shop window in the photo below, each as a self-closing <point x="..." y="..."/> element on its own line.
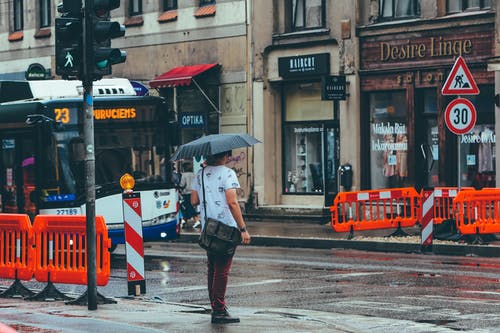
<point x="482" y="172"/>
<point x="401" y="158"/>
<point x="389" y="167"/>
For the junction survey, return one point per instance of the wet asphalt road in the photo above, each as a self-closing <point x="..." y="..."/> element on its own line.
<point x="450" y="293"/>
<point x="458" y="293"/>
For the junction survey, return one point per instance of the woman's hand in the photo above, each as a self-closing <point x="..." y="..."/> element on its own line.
<point x="245" y="237"/>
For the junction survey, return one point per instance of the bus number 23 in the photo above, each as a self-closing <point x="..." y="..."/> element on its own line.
<point x="62" y="115"/>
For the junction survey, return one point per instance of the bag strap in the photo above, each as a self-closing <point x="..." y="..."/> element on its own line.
<point x="203" y="186"/>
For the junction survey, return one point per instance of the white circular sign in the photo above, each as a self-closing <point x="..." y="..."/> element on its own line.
<point x="460" y="116"/>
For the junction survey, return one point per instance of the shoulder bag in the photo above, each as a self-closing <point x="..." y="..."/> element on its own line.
<point x="217" y="237"/>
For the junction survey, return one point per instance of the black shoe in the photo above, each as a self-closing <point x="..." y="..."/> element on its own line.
<point x="223" y="317"/>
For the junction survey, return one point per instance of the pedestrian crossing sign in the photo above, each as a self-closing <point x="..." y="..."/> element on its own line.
<point x="460" y="80"/>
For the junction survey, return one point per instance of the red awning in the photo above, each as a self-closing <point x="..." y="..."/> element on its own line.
<point x="179" y="76"/>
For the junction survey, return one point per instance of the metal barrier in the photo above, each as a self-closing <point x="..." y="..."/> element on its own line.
<point x="375" y="209"/>
<point x="16" y="252"/>
<point x="478" y="212"/>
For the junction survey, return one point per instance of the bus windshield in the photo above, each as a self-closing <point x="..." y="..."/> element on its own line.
<point x="124" y="142"/>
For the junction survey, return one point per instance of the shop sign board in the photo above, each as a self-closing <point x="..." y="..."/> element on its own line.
<point x="192" y="120"/>
<point x="307" y="64"/>
<point x="36" y="71"/>
<point x="460" y="116"/>
<point x="460" y="81"/>
<point x="333" y="88"/>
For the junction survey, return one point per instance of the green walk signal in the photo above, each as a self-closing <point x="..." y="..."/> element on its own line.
<point x="104" y="30"/>
<point x="69" y="40"/>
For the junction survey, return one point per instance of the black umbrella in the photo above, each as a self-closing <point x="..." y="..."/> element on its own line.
<point x="213" y="144"/>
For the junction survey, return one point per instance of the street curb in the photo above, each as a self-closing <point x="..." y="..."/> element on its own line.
<point x="320" y="243"/>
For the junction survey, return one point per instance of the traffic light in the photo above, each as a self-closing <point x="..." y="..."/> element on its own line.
<point x="69" y="41"/>
<point x="104" y="30"/>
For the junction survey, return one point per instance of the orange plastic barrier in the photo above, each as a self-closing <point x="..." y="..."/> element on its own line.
<point x="443" y="202"/>
<point x="16" y="252"/>
<point x="375" y="209"/>
<point x="478" y="212"/>
<point x="61" y="256"/>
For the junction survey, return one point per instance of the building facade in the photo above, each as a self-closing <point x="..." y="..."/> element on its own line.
<point x="407" y="51"/>
<point x="192" y="52"/>
<point x="306" y="137"/>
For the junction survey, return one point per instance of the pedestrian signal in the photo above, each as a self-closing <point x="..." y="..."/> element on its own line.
<point x="69" y="40"/>
<point x="460" y="80"/>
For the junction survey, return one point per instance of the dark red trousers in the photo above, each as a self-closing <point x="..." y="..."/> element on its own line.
<point x="218" y="275"/>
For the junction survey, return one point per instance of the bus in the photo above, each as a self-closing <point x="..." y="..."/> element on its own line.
<point x="43" y="154"/>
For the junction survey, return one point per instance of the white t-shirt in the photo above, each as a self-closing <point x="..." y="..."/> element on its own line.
<point x="217" y="180"/>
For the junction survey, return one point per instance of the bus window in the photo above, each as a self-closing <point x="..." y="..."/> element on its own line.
<point x="9" y="190"/>
<point x="77" y="162"/>
<point x="111" y="164"/>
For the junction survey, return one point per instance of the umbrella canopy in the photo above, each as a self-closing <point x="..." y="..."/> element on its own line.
<point x="213" y="144"/>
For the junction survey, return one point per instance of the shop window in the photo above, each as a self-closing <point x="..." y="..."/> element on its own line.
<point x="206" y="2"/>
<point x="135" y="7"/>
<point x="18" y="15"/>
<point x="478" y="146"/>
<point x="388" y="140"/>
<point x="303" y="158"/>
<point x="457" y="6"/>
<point x="169" y="5"/>
<point x="45" y="13"/>
<point x="303" y="102"/>
<point x="303" y="138"/>
<point x="397" y="9"/>
<point x="305" y="14"/>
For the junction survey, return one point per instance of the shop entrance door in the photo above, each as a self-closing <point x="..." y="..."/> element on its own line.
<point x="331" y="161"/>
<point x="426" y="139"/>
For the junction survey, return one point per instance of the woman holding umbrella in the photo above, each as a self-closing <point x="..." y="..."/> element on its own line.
<point x="219" y="184"/>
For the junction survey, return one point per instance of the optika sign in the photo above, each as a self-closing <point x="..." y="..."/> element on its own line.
<point x="433" y="47"/>
<point x="192" y="120"/>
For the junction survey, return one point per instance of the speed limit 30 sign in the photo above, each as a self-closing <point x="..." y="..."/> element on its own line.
<point x="460" y="116"/>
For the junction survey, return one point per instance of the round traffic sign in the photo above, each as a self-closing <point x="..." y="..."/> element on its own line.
<point x="460" y="116"/>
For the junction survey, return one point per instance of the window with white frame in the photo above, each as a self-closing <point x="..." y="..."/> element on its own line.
<point x="45" y="13"/>
<point x="457" y="6"/>
<point x="18" y="15"/>
<point x="305" y="14"/>
<point x="396" y="9"/>
<point x="135" y="7"/>
<point x="169" y="5"/>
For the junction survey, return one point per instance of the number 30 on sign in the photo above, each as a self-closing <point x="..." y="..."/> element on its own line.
<point x="460" y="116"/>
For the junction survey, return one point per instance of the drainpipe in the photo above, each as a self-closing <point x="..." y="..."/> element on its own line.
<point x="250" y="123"/>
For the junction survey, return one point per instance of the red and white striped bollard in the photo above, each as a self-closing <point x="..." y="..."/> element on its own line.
<point x="427" y="220"/>
<point x="134" y="244"/>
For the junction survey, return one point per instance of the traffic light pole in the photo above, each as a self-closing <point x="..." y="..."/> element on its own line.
<point x="88" y="137"/>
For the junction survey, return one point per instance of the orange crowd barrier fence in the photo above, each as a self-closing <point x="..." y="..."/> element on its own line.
<point x="478" y="212"/>
<point x="375" y="209"/>
<point x="16" y="253"/>
<point x="61" y="244"/>
<point x="443" y="202"/>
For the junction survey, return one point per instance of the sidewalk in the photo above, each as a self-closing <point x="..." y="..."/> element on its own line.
<point x="321" y="236"/>
<point x="143" y="315"/>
